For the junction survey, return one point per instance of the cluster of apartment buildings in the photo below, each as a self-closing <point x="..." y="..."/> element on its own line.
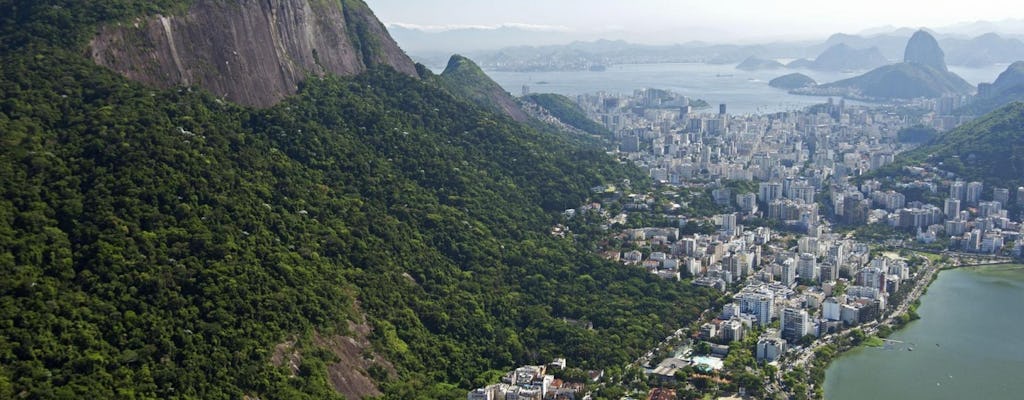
<point x="972" y="219"/>
<point x="531" y="382"/>
<point x="814" y="311"/>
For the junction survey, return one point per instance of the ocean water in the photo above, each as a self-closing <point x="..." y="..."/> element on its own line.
<point x="968" y="344"/>
<point x="743" y="92"/>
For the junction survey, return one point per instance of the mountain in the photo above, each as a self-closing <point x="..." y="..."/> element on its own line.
<point x="754" y="64"/>
<point x="1009" y="26"/>
<point x="801" y="63"/>
<point x="1008" y="88"/>
<point x="372" y="235"/>
<point x="464" y="78"/>
<point x="988" y="149"/>
<point x="842" y="57"/>
<point x="977" y="50"/>
<point x="792" y="81"/>
<point x="1012" y="78"/>
<point x="891" y="44"/>
<point x="419" y="40"/>
<point x="567" y="112"/>
<point x="251" y="52"/>
<point x="984" y="50"/>
<point x="923" y="49"/>
<point x="903" y="81"/>
<point x="922" y="74"/>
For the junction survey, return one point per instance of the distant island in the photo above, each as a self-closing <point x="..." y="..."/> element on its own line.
<point x="792" y="81"/>
<point x="754" y="64"/>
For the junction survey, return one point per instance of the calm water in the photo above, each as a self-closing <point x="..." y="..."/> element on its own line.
<point x="969" y="344"/>
<point x="744" y="92"/>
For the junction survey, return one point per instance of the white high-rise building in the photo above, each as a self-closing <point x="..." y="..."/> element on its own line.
<point x="958" y="190"/>
<point x="769" y="192"/>
<point x="974" y="192"/>
<point x="747" y="203"/>
<point x="952" y="208"/>
<point x="795" y="324"/>
<point x="770" y="348"/>
<point x="789" y="273"/>
<point x="830" y="309"/>
<point x="807" y="267"/>
<point x="1002" y="195"/>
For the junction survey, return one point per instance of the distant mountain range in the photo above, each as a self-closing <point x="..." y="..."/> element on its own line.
<point x="525" y="48"/>
<point x="842" y="57"/>
<point x="923" y="73"/>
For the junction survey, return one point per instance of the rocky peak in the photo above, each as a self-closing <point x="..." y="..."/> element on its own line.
<point x="253" y="52"/>
<point x="923" y="49"/>
<point x="1011" y="78"/>
<point x="464" y="78"/>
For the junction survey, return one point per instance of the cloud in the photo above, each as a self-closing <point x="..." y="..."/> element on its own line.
<point x="457" y="27"/>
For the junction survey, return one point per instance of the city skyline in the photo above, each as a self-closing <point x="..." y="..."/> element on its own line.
<point x="665" y="21"/>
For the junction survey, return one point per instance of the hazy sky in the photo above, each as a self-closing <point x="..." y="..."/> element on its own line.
<point x="714" y="20"/>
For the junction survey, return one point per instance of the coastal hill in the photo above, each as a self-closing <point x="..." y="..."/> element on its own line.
<point x="842" y="57"/>
<point x="370" y="235"/>
<point x="464" y="78"/>
<point x="755" y="64"/>
<point x="922" y="74"/>
<point x="567" y="112"/>
<point x="988" y="149"/>
<point x="252" y="53"/>
<point x="1007" y="88"/>
<point x="792" y="81"/>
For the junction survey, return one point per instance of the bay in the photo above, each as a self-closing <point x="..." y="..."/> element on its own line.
<point x="743" y="92"/>
<point x="968" y="344"/>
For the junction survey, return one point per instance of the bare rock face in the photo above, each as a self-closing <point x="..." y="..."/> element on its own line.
<point x="923" y="49"/>
<point x="253" y="52"/>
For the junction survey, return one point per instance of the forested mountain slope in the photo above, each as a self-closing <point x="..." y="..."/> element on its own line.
<point x="166" y="243"/>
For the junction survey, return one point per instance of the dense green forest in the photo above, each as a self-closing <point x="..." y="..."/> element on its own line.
<point x="159" y="244"/>
<point x="989" y="149"/>
<point x="568" y="112"/>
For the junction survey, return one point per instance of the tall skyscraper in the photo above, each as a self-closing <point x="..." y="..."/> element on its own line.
<point x="721" y="109"/>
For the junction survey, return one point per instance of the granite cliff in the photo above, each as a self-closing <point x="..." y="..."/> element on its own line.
<point x="253" y="52"/>
<point x="923" y="49"/>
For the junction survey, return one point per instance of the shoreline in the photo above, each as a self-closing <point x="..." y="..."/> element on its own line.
<point x="912" y="302"/>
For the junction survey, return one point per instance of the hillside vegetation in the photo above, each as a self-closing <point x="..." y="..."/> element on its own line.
<point x="989" y="149"/>
<point x="568" y="112"/>
<point x="161" y="243"/>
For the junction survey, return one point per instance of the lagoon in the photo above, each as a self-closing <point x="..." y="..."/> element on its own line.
<point x="968" y="344"/>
